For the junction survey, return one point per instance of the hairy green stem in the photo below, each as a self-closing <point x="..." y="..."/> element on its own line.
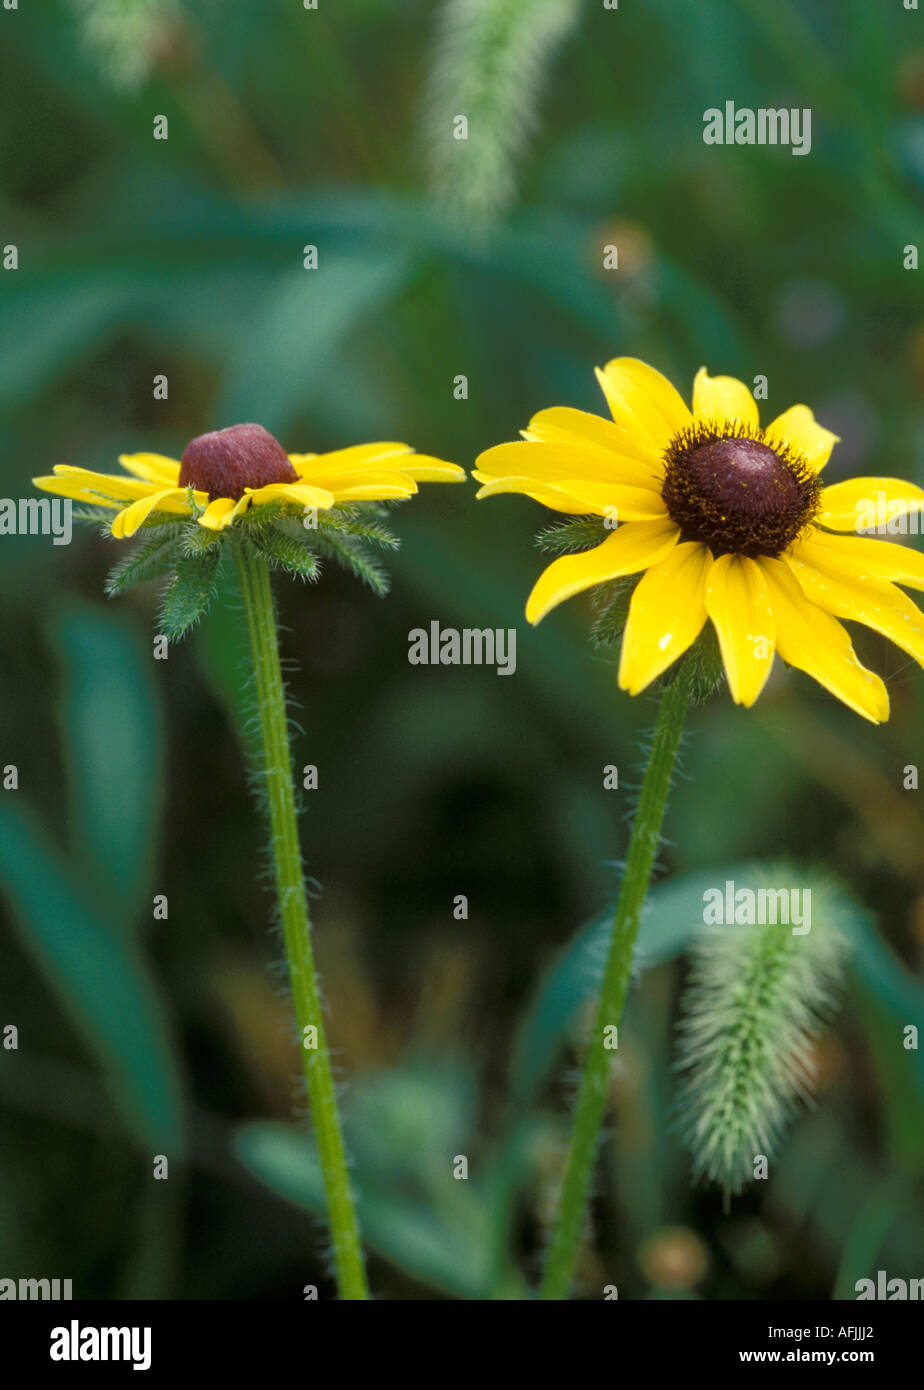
<point x="296" y="926"/>
<point x="591" y="1103"/>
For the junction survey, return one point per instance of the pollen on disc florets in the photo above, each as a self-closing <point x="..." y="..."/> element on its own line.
<point x="225" y="462"/>
<point x="726" y="486"/>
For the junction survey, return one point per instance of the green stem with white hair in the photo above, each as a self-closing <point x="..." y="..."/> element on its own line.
<point x="296" y="925"/>
<point x="645" y="837"/>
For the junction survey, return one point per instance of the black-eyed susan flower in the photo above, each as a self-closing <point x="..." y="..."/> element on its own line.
<point x="726" y="522"/>
<point x="237" y="489"/>
<point x="224" y="474"/>
<point x="240" y="484"/>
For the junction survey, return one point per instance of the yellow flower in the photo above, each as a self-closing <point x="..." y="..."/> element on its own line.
<point x="223" y="474"/>
<point x="729" y="523"/>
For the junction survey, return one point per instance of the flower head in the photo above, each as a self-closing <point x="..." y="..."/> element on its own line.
<point x="225" y="474"/>
<point x="724" y="521"/>
<point x="296" y="509"/>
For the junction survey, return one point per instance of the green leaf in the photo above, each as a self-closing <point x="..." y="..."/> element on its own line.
<point x="190" y="593"/>
<point x="611" y="605"/>
<point x="149" y="560"/>
<point x="112" y="733"/>
<point x="352" y="554"/>
<point x="285" y="552"/>
<point x="566" y="537"/>
<point x="353" y="523"/>
<point x="101" y="979"/>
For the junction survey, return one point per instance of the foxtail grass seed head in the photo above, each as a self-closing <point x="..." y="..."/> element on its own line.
<point x="489" y="72"/>
<point x="757" y="997"/>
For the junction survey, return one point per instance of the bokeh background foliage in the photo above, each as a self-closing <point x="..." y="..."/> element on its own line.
<point x="138" y="257"/>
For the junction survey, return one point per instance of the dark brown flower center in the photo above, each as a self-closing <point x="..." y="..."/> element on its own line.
<point x="226" y="461"/>
<point x="728" y="488"/>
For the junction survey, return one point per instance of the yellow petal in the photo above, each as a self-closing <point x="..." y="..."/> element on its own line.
<point x="356" y="458"/>
<point x="813" y="641"/>
<point x="626" y="551"/>
<point x="222" y="512"/>
<point x="610" y="500"/>
<point x="371" y="483"/>
<point x="62" y="488"/>
<point x="798" y="428"/>
<point x="558" y="498"/>
<point x="866" y="503"/>
<point x="126" y="522"/>
<point x="399" y="458"/>
<point x="425" y="469"/>
<point x="666" y="615"/>
<point x="153" y="468"/>
<point x="834" y="585"/>
<point x="554" y="463"/>
<point x="615" y="501"/>
<point x="871" y="558"/>
<point x="81" y="482"/>
<point x="370" y="492"/>
<point x="302" y="494"/>
<point x="723" y="398"/>
<point x="737" y="602"/>
<point x="563" y="425"/>
<point x="643" y="402"/>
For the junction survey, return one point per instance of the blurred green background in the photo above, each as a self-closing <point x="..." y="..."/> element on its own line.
<point x="142" y="1037"/>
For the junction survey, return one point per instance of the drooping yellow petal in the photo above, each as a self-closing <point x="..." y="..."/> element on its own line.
<point x="798" y="428"/>
<point x="126" y="522"/>
<point x="871" y="558"/>
<point x="629" y="549"/>
<point x="222" y="512"/>
<point x="723" y="399"/>
<point x="863" y="504"/>
<point x="666" y="615"/>
<point x="560" y="424"/>
<point x="82" y="484"/>
<point x="153" y="468"/>
<point x="737" y="602"/>
<point x="834" y="585"/>
<point x="61" y="487"/>
<point x="643" y="402"/>
<point x="813" y="641"/>
<point x="556" y="463"/>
